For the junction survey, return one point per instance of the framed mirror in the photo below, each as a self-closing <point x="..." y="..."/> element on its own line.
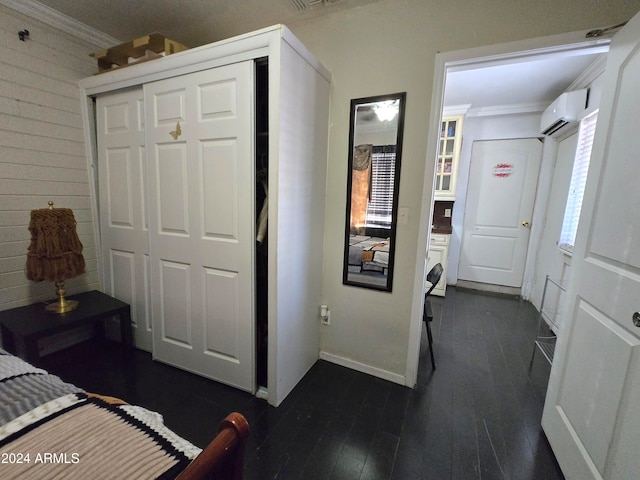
<point x="373" y="179"/>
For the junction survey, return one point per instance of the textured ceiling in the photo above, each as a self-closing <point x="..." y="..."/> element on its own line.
<point x="193" y="22"/>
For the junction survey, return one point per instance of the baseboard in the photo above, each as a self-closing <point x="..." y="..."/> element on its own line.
<point x="262" y="393"/>
<point x="364" y="368"/>
<point x="488" y="287"/>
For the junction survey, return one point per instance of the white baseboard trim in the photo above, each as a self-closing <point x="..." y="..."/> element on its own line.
<point x="487" y="287"/>
<point x="262" y="393"/>
<point x="364" y="368"/>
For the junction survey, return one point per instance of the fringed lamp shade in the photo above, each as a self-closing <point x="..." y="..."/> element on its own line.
<point x="55" y="253"/>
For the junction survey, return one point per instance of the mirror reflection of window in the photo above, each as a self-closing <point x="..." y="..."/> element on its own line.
<point x="383" y="165"/>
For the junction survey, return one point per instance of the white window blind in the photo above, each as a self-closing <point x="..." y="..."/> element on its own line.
<point x="383" y="168"/>
<point x="578" y="182"/>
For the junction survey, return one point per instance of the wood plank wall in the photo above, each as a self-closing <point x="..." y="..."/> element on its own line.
<point x="42" y="151"/>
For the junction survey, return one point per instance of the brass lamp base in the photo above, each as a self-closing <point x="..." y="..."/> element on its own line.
<point x="62" y="305"/>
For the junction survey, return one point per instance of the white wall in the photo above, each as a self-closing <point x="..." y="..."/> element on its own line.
<point x="390" y="46"/>
<point x="42" y="154"/>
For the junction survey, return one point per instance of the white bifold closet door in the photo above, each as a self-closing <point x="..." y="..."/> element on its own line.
<point x="200" y="167"/>
<point x="123" y="217"/>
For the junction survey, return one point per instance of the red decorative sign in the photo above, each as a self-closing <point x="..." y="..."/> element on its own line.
<point x="502" y="170"/>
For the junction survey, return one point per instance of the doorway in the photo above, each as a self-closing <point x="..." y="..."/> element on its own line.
<point x="503" y="97"/>
<point x="523" y="55"/>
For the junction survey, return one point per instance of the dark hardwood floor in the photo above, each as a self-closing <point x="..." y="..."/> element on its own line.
<point x="476" y="417"/>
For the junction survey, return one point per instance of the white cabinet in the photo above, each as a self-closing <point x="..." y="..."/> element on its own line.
<point x="448" y="157"/>
<point x="438" y="252"/>
<point x="197" y="180"/>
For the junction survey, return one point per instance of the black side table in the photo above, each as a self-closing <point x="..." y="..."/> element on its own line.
<point x="22" y="327"/>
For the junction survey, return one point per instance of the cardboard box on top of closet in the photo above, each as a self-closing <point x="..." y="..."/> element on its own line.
<point x="142" y="49"/>
<point x="181" y="153"/>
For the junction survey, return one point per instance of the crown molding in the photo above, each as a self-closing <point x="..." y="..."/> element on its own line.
<point x="58" y="20"/>
<point x="592" y="72"/>
<point x="514" y="109"/>
<point x="456" y="109"/>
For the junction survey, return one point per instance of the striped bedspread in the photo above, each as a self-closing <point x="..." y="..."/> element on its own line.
<point x="23" y="387"/>
<point x="50" y="429"/>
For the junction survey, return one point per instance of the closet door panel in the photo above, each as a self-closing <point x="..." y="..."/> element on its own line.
<point x="219" y="178"/>
<point x="201" y="212"/>
<point x="172" y="189"/>
<point x="119" y="194"/>
<point x="221" y="327"/>
<point x="122" y="205"/>
<point x="122" y="264"/>
<point x="175" y="312"/>
<point x="169" y="108"/>
<point x="217" y="100"/>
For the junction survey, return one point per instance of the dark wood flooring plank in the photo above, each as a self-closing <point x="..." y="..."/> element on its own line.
<point x="382" y="455"/>
<point x="476" y="417"/>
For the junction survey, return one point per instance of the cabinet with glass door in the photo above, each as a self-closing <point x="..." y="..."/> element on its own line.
<point x="448" y="157"/>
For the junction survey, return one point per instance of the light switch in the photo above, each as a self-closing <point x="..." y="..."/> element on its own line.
<point x="403" y="215"/>
<point x="447" y="212"/>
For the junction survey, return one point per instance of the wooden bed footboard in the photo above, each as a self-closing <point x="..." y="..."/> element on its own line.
<point x="223" y="457"/>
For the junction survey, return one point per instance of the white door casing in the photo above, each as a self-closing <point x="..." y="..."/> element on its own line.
<point x="502" y="186"/>
<point x="201" y="213"/>
<point x="590" y="415"/>
<point x="123" y="215"/>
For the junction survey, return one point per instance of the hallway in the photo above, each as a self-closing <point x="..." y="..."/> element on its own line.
<point x="478" y="415"/>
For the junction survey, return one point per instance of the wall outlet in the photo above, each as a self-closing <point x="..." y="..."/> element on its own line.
<point x="326" y="320"/>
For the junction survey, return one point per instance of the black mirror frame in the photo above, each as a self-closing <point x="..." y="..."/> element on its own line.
<point x="401" y="96"/>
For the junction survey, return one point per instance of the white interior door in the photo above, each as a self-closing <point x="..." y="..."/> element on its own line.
<point x="591" y="414"/>
<point x="123" y="216"/>
<point x="201" y="221"/>
<point x="502" y="187"/>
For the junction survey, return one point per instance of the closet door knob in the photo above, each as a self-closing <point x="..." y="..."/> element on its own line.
<point x="636" y="319"/>
<point x="525" y="223"/>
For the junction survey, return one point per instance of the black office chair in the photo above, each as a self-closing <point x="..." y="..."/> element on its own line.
<point x="433" y="277"/>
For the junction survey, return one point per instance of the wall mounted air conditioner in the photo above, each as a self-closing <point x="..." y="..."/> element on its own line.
<point x="564" y="110"/>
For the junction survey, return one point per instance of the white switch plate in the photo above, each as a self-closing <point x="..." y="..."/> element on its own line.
<point x="447" y="212"/>
<point x="403" y="215"/>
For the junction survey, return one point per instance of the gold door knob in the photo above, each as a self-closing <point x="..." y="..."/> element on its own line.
<point x="525" y="223"/>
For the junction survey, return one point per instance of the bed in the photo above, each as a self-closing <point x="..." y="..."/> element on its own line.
<point x="368" y="254"/>
<point x="52" y="429"/>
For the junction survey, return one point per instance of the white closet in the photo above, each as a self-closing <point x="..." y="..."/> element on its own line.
<point x="182" y="151"/>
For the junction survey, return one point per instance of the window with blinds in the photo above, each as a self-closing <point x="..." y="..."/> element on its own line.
<point x="383" y="167"/>
<point x="578" y="182"/>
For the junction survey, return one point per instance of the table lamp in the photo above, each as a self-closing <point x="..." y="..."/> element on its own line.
<point x="55" y="252"/>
